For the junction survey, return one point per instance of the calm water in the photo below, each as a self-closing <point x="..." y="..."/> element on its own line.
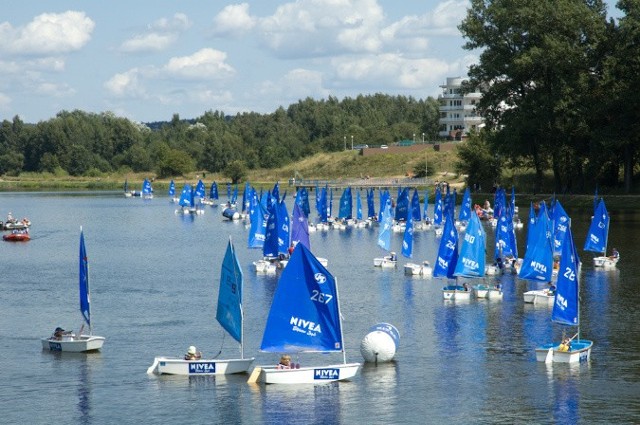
<point x="154" y="279"/>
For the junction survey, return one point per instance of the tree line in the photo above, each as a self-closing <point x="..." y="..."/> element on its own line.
<point x="79" y="143"/>
<point x="560" y="84"/>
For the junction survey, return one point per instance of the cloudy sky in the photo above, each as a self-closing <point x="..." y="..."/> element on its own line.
<point x="147" y="60"/>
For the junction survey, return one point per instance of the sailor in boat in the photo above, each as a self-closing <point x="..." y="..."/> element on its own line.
<point x="285" y="363"/>
<point x="465" y="285"/>
<point x="614" y="254"/>
<point x="565" y="345"/>
<point x="59" y="333"/>
<point x="551" y="290"/>
<point x="192" y="354"/>
<point x="394" y="257"/>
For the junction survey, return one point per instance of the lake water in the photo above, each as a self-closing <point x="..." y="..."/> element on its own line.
<point x="154" y="277"/>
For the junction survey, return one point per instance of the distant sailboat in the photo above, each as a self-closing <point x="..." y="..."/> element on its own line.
<point x="597" y="238"/>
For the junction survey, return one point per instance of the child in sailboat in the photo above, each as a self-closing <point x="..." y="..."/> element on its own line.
<point x="614" y="254"/>
<point x="192" y="354"/>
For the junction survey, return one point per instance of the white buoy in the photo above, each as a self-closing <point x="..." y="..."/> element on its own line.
<point x="380" y="344"/>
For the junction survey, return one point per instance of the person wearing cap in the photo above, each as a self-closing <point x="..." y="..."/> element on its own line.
<point x="192" y="354"/>
<point x="285" y="362"/>
<point x="59" y="333"/>
<point x="614" y="254"/>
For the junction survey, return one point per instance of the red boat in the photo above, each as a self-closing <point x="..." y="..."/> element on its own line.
<point x="17" y="236"/>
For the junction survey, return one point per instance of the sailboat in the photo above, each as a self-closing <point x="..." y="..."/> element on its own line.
<point x="230" y="315"/>
<point x="537" y="264"/>
<point x="172" y="192"/>
<point x="566" y="311"/>
<point x="304" y="317"/>
<point x="597" y="238"/>
<point x="79" y="343"/>
<point x="384" y="239"/>
<point x="413" y="269"/>
<point x="471" y="261"/>
<point x="147" y="190"/>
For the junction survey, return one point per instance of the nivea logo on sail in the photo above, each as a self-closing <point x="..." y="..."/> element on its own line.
<point x="202" y="367"/>
<point x="305" y="326"/>
<point x="326" y="374"/>
<point x="538" y="267"/>
<point x="470" y="264"/>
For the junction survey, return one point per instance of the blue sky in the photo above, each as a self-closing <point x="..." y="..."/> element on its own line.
<point x="147" y="60"/>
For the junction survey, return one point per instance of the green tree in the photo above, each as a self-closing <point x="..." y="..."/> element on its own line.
<point x="536" y="69"/>
<point x="236" y="171"/>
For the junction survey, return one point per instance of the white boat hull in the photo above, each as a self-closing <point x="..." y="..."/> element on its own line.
<point x="488" y="292"/>
<point x="413" y="269"/>
<point x="200" y="367"/>
<point x="309" y="375"/>
<point x="539" y="296"/>
<point x="580" y="352"/>
<point x="605" y="262"/>
<point x="384" y="262"/>
<point x="265" y="266"/>
<point x="73" y="344"/>
<point x="456" y="292"/>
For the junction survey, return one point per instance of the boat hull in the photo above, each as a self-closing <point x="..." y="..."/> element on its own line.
<point x="200" y="367"/>
<point x="309" y="375"/>
<point x="74" y="344"/>
<point x="456" y="292"/>
<point x="605" y="262"/>
<point x="541" y="297"/>
<point x="580" y="352"/>
<point x="16" y="237"/>
<point x="385" y="262"/>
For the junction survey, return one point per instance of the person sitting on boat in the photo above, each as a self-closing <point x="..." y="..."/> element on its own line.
<point x="10" y="218"/>
<point x="565" y="345"/>
<point x="552" y="289"/>
<point x="465" y="285"/>
<point x="394" y="257"/>
<point x="285" y="362"/>
<point x="614" y="254"/>
<point x="499" y="264"/>
<point x="58" y="333"/>
<point x="192" y="354"/>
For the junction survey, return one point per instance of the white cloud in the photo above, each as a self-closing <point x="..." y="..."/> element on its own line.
<point x="205" y="64"/>
<point x="309" y="28"/>
<point x="5" y="101"/>
<point x="125" y="84"/>
<point x="148" y="42"/>
<point x="296" y="84"/>
<point x="388" y="70"/>
<point x="160" y="35"/>
<point x="234" y="20"/>
<point x="48" y="33"/>
<point x="54" y="90"/>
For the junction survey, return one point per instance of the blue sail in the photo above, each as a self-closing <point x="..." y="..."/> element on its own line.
<point x="323" y="205"/>
<point x="358" y="206"/>
<point x="200" y="191"/>
<point x="85" y="303"/>
<point x="437" y="209"/>
<point x="560" y="226"/>
<point x="172" y="188"/>
<point x="284" y="229"/>
<point x="276" y="191"/>
<point x="537" y="264"/>
<point x="599" y="230"/>
<point x="185" y="196"/>
<point x="258" y="223"/>
<point x="270" y="246"/>
<point x="384" y="197"/>
<point x="505" y="238"/>
<point x="302" y="198"/>
<point x="229" y="312"/>
<point x="565" y="306"/>
<point x="512" y="205"/>
<point x="384" y="235"/>
<point x="300" y="227"/>
<point x="371" y="208"/>
<point x="407" y="241"/>
<point x="415" y="206"/>
<point x="146" y="188"/>
<point x="402" y="205"/>
<point x="531" y="227"/>
<point x="213" y="193"/>
<point x="346" y="204"/>
<point x="471" y="260"/>
<point x="304" y="315"/>
<point x="465" y="208"/>
<point x="426" y="205"/>
<point x="447" y="251"/>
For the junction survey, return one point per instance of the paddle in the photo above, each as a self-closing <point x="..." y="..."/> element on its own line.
<point x="255" y="375"/>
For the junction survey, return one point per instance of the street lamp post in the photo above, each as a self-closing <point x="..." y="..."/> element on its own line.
<point x="351" y="142"/>
<point x="423" y="138"/>
<point x="345" y="143"/>
<point x="414" y="138"/>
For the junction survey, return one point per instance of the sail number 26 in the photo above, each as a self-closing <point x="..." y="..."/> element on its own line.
<point x="320" y="297"/>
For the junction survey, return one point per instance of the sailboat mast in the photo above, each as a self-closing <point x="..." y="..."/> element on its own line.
<point x="344" y="352"/>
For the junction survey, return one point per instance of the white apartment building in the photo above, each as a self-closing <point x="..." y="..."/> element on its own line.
<point x="457" y="111"/>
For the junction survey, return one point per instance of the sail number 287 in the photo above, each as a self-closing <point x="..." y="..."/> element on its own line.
<point x="320" y="297"/>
